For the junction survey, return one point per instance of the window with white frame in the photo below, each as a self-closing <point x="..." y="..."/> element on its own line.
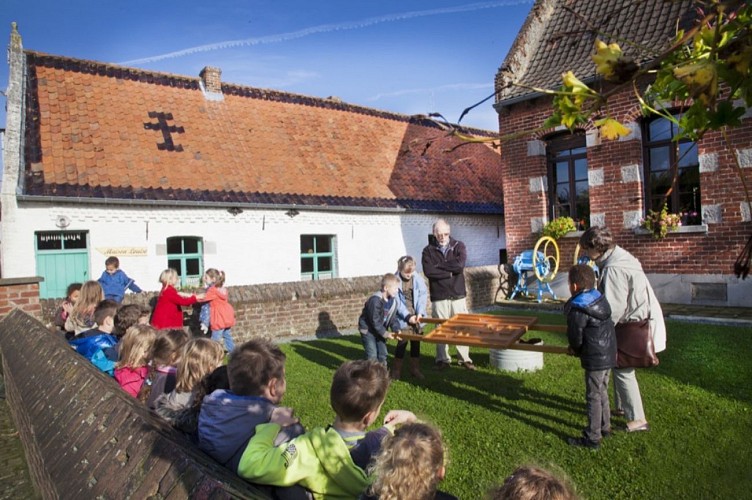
<point x="672" y="171"/>
<point x="317" y="256"/>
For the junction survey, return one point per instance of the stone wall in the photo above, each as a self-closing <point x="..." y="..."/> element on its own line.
<point x="310" y="308"/>
<point x="86" y="438"/>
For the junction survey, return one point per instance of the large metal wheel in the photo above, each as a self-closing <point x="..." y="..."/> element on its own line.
<point x="546" y="249"/>
<point x="577" y="250"/>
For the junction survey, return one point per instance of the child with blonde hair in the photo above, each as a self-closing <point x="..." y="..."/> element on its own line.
<point x="168" y="312"/>
<point x="529" y="482"/>
<point x="132" y="368"/>
<point x="164" y="356"/>
<point x="198" y="359"/>
<point x="81" y="317"/>
<point x="221" y="314"/>
<point x="409" y="466"/>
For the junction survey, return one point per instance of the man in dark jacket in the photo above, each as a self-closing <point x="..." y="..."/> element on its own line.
<point x="444" y="266"/>
<point x="592" y="338"/>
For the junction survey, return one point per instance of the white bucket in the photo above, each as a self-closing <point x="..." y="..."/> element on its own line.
<point x="512" y="360"/>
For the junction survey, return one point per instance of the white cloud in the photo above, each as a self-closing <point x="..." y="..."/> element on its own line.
<point x="324" y="28"/>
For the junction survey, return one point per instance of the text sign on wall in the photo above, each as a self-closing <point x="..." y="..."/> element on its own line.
<point x="123" y="251"/>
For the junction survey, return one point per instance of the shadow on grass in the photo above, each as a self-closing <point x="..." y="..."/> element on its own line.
<point x="495" y="391"/>
<point x="330" y="353"/>
<point x="507" y="395"/>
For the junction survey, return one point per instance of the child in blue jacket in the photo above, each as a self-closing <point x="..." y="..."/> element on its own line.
<point x="592" y="338"/>
<point x="115" y="282"/>
<point x="98" y="344"/>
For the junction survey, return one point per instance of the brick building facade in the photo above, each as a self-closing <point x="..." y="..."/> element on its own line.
<point x="691" y="265"/>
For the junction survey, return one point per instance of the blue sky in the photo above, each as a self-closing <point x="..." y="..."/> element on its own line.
<point x="405" y="56"/>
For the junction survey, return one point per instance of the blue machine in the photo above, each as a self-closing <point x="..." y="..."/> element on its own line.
<point x="537" y="261"/>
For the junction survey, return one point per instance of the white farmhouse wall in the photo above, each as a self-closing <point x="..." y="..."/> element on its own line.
<point x="256" y="246"/>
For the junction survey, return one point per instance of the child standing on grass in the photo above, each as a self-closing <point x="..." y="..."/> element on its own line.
<point x="592" y="338"/>
<point x="168" y="312"/>
<point x="409" y="465"/>
<point x="71" y="296"/>
<point x="81" y="317"/>
<point x="115" y="282"/>
<point x="221" y="313"/>
<point x="381" y="312"/>
<point x="132" y="368"/>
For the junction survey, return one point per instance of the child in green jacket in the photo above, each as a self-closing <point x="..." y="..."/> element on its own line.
<point x="330" y="462"/>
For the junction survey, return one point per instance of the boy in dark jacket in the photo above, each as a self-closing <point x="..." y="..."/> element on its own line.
<point x="228" y="418"/>
<point x="592" y="338"/>
<point x="381" y="312"/>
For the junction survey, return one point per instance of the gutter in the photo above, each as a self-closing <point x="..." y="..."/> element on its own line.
<point x="498" y="106"/>
<point x="226" y="205"/>
<point x="203" y="204"/>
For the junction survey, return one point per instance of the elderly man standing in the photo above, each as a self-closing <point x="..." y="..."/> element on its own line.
<point x="444" y="265"/>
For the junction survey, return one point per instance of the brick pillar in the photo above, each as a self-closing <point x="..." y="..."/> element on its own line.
<point x="20" y="293"/>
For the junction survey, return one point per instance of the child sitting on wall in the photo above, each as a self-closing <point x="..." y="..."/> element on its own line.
<point x="71" y="296"/>
<point x="198" y="360"/>
<point x="132" y="368"/>
<point x="409" y="465"/>
<point x="165" y="354"/>
<point x="328" y="461"/>
<point x="97" y="343"/>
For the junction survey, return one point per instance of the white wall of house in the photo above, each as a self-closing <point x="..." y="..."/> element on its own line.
<point x="255" y="246"/>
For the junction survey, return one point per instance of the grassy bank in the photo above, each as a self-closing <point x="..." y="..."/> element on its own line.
<point x="698" y="402"/>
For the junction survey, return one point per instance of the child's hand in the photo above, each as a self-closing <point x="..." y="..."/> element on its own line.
<point x="200" y="296"/>
<point x="398" y="417"/>
<point x="388" y="335"/>
<point x="283" y="416"/>
<point x="67" y="307"/>
<point x="413" y="319"/>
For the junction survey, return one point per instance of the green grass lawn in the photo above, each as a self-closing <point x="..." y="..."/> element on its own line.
<point x="698" y="402"/>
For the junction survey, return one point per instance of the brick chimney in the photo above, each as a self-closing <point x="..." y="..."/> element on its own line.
<point x="211" y="78"/>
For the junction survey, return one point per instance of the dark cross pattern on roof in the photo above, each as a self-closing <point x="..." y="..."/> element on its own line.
<point x="167" y="130"/>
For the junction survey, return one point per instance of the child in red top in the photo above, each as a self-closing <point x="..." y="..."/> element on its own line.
<point x="168" y="312"/>
<point x="221" y="313"/>
<point x="132" y="367"/>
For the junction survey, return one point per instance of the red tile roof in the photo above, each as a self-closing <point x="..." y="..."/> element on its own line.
<point x="108" y="132"/>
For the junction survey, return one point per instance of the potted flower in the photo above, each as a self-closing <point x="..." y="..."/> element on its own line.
<point x="659" y="223"/>
<point x="558" y="227"/>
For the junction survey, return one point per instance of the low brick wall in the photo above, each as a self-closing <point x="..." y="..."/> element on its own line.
<point x="86" y="438"/>
<point x="20" y="293"/>
<point x="311" y="308"/>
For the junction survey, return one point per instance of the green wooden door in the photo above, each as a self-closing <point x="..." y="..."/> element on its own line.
<point x="62" y="258"/>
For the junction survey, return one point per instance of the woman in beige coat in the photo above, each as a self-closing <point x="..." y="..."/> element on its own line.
<point x="631" y="297"/>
